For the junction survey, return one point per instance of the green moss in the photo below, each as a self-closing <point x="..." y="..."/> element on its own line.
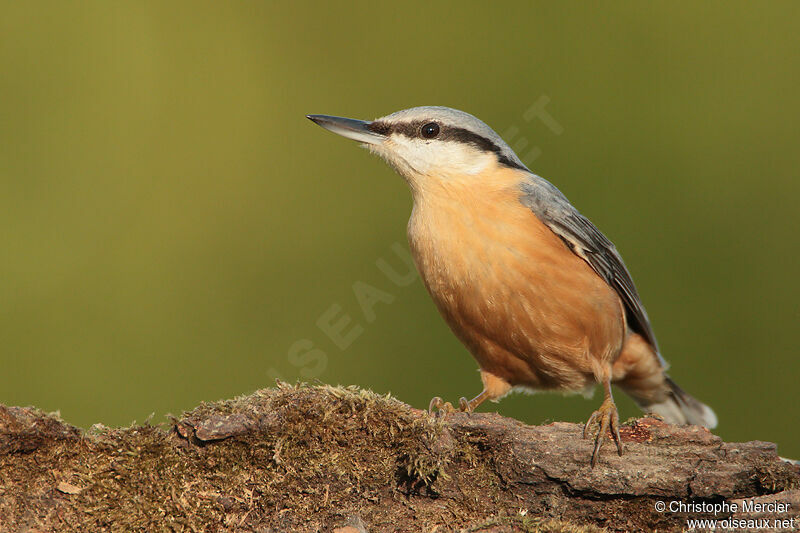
<point x="311" y="456"/>
<point x="291" y="458"/>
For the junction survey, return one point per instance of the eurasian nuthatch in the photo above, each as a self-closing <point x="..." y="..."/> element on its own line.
<point x="539" y="296"/>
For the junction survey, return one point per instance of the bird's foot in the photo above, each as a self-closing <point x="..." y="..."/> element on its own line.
<point x="465" y="406"/>
<point x="607" y="418"/>
<point x="440" y="406"/>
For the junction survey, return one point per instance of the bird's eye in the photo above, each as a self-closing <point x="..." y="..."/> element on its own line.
<point x="429" y="130"/>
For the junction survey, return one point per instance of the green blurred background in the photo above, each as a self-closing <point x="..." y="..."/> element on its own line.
<point x="173" y="227"/>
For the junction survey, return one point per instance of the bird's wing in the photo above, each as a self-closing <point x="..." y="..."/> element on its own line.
<point x="589" y="243"/>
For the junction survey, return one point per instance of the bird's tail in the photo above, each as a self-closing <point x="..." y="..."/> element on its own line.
<point x="680" y="407"/>
<point x="641" y="374"/>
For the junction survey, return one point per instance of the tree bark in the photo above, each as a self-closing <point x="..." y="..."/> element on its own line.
<point x="301" y="458"/>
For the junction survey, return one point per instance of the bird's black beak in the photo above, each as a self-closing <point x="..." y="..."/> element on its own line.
<point x="357" y="130"/>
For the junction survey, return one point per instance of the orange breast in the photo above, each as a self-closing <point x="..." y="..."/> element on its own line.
<point x="528" y="309"/>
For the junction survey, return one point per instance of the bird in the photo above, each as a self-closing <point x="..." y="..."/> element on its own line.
<point x="538" y="295"/>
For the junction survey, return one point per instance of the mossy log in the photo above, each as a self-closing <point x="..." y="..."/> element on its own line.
<point x="320" y="458"/>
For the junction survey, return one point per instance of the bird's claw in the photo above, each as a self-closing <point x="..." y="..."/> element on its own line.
<point x="438" y="405"/>
<point x="607" y="418"/>
<point x="465" y="406"/>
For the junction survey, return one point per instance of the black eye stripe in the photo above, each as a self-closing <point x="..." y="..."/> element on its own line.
<point x="407" y="129"/>
<point x="381" y="128"/>
<point x="446" y="133"/>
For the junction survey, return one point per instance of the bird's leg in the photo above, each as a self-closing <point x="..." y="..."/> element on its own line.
<point x="607" y="418"/>
<point x="468" y="406"/>
<point x="494" y="387"/>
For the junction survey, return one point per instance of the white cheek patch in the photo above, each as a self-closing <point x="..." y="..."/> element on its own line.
<point x="388" y="154"/>
<point x="432" y="157"/>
